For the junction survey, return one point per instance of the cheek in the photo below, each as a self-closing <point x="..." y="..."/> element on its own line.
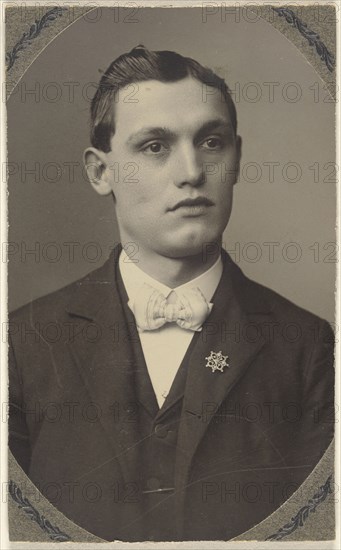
<point x="224" y="200"/>
<point x="146" y="197"/>
<point x="223" y="195"/>
<point x="128" y="192"/>
<point x="137" y="204"/>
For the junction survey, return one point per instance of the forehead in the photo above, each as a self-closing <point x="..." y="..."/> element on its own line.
<point x="180" y="106"/>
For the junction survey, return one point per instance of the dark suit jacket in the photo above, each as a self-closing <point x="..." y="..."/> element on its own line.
<point x="246" y="437"/>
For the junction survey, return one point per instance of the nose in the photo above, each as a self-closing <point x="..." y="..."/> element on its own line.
<point x="188" y="167"/>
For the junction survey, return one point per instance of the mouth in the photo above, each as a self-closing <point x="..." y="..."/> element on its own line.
<point x="192" y="207"/>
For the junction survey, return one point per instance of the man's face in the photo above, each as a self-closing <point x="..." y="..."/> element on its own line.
<point x="172" y="166"/>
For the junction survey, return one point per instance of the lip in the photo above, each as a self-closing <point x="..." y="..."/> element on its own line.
<point x="197" y="205"/>
<point x="192" y="211"/>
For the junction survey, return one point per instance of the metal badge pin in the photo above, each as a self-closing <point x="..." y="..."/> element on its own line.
<point x="217" y="361"/>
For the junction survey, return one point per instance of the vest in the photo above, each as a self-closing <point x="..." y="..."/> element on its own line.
<point x="157" y="445"/>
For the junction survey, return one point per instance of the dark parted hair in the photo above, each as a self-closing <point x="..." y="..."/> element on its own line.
<point x="138" y="65"/>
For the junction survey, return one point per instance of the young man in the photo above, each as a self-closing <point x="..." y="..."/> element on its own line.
<point x="190" y="402"/>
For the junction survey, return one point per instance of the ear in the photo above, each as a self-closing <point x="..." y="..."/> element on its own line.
<point x="239" y="155"/>
<point x="95" y="162"/>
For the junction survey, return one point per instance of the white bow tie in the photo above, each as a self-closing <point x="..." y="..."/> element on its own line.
<point x="152" y="310"/>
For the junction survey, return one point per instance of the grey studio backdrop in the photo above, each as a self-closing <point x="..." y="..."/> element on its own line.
<point x="281" y="232"/>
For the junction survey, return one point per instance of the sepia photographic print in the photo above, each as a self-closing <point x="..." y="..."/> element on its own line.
<point x="169" y="319"/>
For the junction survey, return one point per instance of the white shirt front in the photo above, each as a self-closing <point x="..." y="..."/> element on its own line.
<point x="165" y="348"/>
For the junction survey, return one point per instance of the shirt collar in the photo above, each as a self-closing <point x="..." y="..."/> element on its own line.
<point x="133" y="278"/>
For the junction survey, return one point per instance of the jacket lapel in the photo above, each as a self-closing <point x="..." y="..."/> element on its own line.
<point x="234" y="328"/>
<point x="103" y="353"/>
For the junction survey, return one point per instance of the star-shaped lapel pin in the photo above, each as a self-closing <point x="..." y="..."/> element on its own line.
<point x="217" y="361"/>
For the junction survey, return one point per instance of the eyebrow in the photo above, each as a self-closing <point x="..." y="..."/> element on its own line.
<point x="215" y="124"/>
<point x="162" y="132"/>
<point x="152" y="131"/>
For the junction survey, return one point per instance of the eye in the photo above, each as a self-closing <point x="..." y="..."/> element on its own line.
<point x="213" y="143"/>
<point x="154" y="148"/>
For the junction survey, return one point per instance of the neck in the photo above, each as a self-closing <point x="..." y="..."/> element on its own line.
<point x="174" y="272"/>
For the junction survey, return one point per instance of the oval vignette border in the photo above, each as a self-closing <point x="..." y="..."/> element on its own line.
<point x="43" y="522"/>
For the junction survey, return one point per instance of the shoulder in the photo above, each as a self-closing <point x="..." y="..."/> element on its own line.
<point x="257" y="297"/>
<point x="55" y="305"/>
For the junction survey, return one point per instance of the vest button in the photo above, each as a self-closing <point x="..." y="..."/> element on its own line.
<point x="160" y="431"/>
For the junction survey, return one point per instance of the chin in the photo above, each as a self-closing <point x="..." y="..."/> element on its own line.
<point x="188" y="247"/>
